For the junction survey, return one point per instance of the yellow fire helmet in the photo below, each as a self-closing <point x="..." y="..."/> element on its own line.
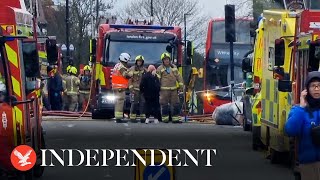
<point x="87" y="68"/>
<point x="73" y="70"/>
<point x="139" y="57"/>
<point x="165" y="55"/>
<point x="68" y="68"/>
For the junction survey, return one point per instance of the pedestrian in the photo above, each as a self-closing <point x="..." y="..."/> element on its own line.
<point x="171" y="83"/>
<point x="120" y="79"/>
<point x="150" y="88"/>
<point x="72" y="89"/>
<point x="304" y="124"/>
<point x="84" y="89"/>
<point x="137" y="100"/>
<point x="55" y="89"/>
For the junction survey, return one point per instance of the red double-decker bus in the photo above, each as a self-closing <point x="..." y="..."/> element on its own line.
<point x="217" y="61"/>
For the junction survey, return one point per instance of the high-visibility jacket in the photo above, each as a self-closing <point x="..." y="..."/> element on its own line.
<point x="119" y="77"/>
<point x="72" y="85"/>
<point x="170" y="78"/>
<point x="136" y="72"/>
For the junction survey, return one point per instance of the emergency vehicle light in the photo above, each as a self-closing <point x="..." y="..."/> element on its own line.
<point x="117" y="26"/>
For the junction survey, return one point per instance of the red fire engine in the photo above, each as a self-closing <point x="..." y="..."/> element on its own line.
<point x="20" y="105"/>
<point x="147" y="40"/>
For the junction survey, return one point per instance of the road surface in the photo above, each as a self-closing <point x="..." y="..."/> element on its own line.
<point x="234" y="158"/>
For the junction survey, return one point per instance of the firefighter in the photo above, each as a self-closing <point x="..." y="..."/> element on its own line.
<point x="55" y="88"/>
<point x="84" y="89"/>
<point x="120" y="78"/>
<point x="137" y="100"/>
<point x="72" y="89"/>
<point x="64" y="96"/>
<point x="171" y="81"/>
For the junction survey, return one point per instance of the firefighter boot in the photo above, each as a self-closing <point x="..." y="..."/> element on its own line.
<point x="118" y="109"/>
<point x="175" y="114"/>
<point x="165" y="113"/>
<point x="142" y="109"/>
<point x="133" y="112"/>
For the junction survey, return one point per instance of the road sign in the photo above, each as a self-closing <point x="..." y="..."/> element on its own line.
<point x="63" y="47"/>
<point x="157" y="172"/>
<point x="71" y="47"/>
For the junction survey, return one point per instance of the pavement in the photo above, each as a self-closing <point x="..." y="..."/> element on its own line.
<point x="234" y="158"/>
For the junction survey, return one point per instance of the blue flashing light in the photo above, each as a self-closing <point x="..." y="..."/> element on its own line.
<point x="118" y="26"/>
<point x="9" y="38"/>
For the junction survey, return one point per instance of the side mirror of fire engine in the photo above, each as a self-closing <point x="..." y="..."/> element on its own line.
<point x="169" y="49"/>
<point x="285" y="86"/>
<point x="93" y="49"/>
<point x="279" y="52"/>
<point x="52" y="51"/>
<point x="246" y="65"/>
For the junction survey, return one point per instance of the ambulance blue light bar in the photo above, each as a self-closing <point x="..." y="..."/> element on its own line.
<point x="117" y="26"/>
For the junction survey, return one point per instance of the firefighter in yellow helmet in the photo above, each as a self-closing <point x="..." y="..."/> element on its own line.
<point x="72" y="89"/>
<point x="171" y="82"/>
<point x="64" y="96"/>
<point x="84" y="88"/>
<point x="120" y="79"/>
<point x="137" y="100"/>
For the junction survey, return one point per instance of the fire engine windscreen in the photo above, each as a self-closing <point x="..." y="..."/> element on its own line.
<point x="31" y="59"/>
<point x="149" y="45"/>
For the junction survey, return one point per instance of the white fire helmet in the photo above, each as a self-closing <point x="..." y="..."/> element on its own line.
<point x="124" y="57"/>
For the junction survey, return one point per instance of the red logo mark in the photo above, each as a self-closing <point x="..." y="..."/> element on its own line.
<point x="23" y="158"/>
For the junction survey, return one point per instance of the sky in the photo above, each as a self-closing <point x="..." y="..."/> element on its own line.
<point x="214" y="8"/>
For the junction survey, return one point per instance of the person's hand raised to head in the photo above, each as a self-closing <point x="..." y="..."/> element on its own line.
<point x="303" y="101"/>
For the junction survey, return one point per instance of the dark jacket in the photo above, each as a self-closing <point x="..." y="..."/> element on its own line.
<point x="299" y="125"/>
<point x="150" y="86"/>
<point x="55" y="84"/>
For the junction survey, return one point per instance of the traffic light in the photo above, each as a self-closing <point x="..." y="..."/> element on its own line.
<point x="230" y="31"/>
<point x="52" y="51"/>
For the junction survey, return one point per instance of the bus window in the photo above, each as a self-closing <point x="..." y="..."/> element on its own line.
<point x="315" y="5"/>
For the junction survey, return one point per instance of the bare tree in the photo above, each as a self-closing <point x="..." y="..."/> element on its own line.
<point x="82" y="13"/>
<point x="254" y="8"/>
<point x="171" y="13"/>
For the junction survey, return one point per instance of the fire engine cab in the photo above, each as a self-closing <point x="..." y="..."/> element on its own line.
<point x="113" y="39"/>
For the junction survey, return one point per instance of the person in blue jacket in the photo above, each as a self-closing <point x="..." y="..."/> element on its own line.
<point x="300" y="121"/>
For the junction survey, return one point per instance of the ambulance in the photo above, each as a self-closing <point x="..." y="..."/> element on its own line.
<point x="252" y="97"/>
<point x="291" y="48"/>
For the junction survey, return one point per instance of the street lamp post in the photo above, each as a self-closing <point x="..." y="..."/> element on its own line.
<point x="184" y="64"/>
<point x="67" y="32"/>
